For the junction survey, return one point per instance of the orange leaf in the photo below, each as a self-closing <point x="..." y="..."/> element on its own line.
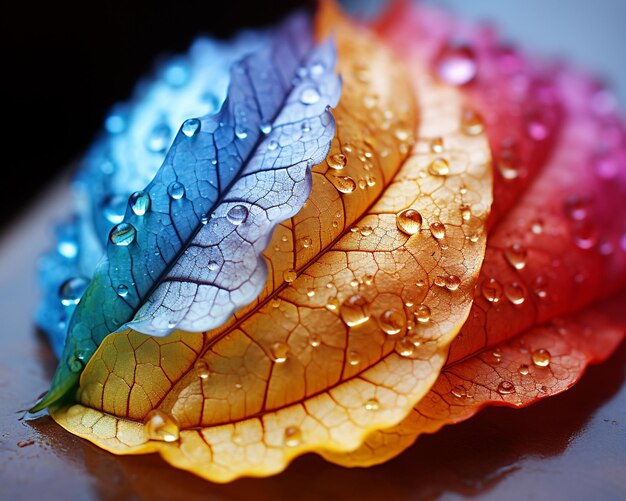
<point x="562" y="248"/>
<point x="328" y="352"/>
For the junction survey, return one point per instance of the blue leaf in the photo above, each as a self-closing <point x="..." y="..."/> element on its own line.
<point x="188" y="252"/>
<point x="120" y="163"/>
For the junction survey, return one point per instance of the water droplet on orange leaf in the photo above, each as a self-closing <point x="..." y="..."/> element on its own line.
<point x="355" y="310"/>
<point x="337" y="161"/>
<point x="506" y="388"/>
<point x="332" y="304"/>
<point x="290" y="276"/>
<point x="523" y="370"/>
<point x="366" y="231"/>
<point x="471" y="122"/>
<point x="409" y="221"/>
<point x="354" y="358"/>
<point x="541" y="357"/>
<point x="344" y="184"/>
<point x="202" y="368"/>
<point x="438" y="230"/>
<point x="392" y="321"/>
<point x="372" y="404"/>
<point x="405" y="347"/>
<point x="458" y="391"/>
<point x="452" y="282"/>
<point x="280" y="351"/>
<point x="439" y="167"/>
<point x="159" y="425"/>
<point x="422" y="314"/>
<point x="293" y="436"/>
<point x="436" y="145"/>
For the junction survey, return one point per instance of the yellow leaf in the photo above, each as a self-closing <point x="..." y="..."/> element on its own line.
<point x="369" y="283"/>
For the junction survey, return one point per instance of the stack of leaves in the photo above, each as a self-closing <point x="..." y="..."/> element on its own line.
<point x="373" y="231"/>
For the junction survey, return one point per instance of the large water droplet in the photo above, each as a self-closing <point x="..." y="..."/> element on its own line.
<point x="452" y="282"/>
<point x="515" y="292"/>
<point x="176" y="190"/>
<point x="161" y="426"/>
<point x="309" y="95"/>
<point x="516" y="255"/>
<point x="439" y="167"/>
<point x="506" y="388"/>
<point x="280" y="351"/>
<point x="237" y="215"/>
<point x="355" y="310"/>
<point x="241" y="132"/>
<point x="456" y="65"/>
<point x="202" y="368"/>
<point x="123" y="234"/>
<point x="293" y="436"/>
<point x="491" y="290"/>
<point x="409" y="221"/>
<point x="344" y="184"/>
<point x="159" y="138"/>
<point x="422" y="314"/>
<point x="139" y="202"/>
<point x="392" y="321"/>
<point x="337" y="161"/>
<point x="72" y="290"/>
<point x="190" y="127"/>
<point x="541" y="357"/>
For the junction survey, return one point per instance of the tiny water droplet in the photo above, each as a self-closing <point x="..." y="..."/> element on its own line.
<point x="241" y="132"/>
<point x="265" y="128"/>
<point x="506" y="388"/>
<point x="176" y="190"/>
<point x="366" y="231"/>
<point x="471" y="123"/>
<point x="422" y="314"/>
<point x="392" y="322"/>
<point x="466" y="212"/>
<point x="332" y="304"/>
<point x="515" y="292"/>
<point x="237" y="215"/>
<point x="202" y="368"/>
<point x="310" y="292"/>
<point x="536" y="125"/>
<point x="314" y="340"/>
<point x="191" y="127"/>
<point x="279" y="352"/>
<point x="272" y="145"/>
<point x="372" y="404"/>
<point x="438" y="230"/>
<point x="161" y="426"/>
<point x="405" y="347"/>
<point x="456" y="65"/>
<point x="307" y="242"/>
<point x="541" y="357"/>
<point x="293" y="436"/>
<point x="290" y="276"/>
<point x="409" y="221"/>
<point x="491" y="290"/>
<point x="439" y="167"/>
<point x="540" y="286"/>
<point x="523" y="370"/>
<point x="584" y="234"/>
<point x="516" y="256"/>
<point x="337" y="161"/>
<point x="355" y="310"/>
<point x="576" y="207"/>
<point x="139" y="202"/>
<point x="123" y="234"/>
<point x="309" y="95"/>
<point x="72" y="290"/>
<point x="122" y="290"/>
<point x="436" y="145"/>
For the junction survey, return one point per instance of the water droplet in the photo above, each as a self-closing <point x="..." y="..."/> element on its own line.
<point x="436" y="145"/>
<point x="114" y="208"/>
<point x="344" y="184"/>
<point x="523" y="370"/>
<point x="305" y="127"/>
<point x="122" y="234"/>
<point x="456" y="65"/>
<point x="368" y="279"/>
<point x="458" y="391"/>
<point x="516" y="255"/>
<point x="355" y="310"/>
<point x="576" y="208"/>
<point x="452" y="282"/>
<point x="202" y="368"/>
<point x="392" y="322"/>
<point x="541" y="357"/>
<point x="584" y="234"/>
<point x="309" y="95"/>
<point x="176" y="190"/>
<point x="354" y="282"/>
<point x="536" y="125"/>
<point x="290" y="276"/>
<point x="310" y="292"/>
<point x="72" y="290"/>
<point x="272" y="145"/>
<point x="439" y="167"/>
<point x="405" y="347"/>
<point x="466" y="212"/>
<point x="536" y="227"/>
<point x="237" y="215"/>
<point x="314" y="340"/>
<point x="307" y="242"/>
<point x="372" y="404"/>
<point x="506" y="388"/>
<point x="491" y="290"/>
<point x="241" y="132"/>
<point x="161" y="426"/>
<point x="190" y="127"/>
<point x="515" y="292"/>
<point x="540" y="286"/>
<point x="471" y="123"/>
<point x="122" y="290"/>
<point x="139" y="202"/>
<point x="422" y="314"/>
<point x="409" y="221"/>
<point x="317" y="69"/>
<point x="279" y="352"/>
<point x="159" y="138"/>
<point x="213" y="265"/>
<point x="332" y="304"/>
<point x="265" y="128"/>
<point x="366" y="231"/>
<point x="293" y="436"/>
<point x="337" y="161"/>
<point x="438" y="230"/>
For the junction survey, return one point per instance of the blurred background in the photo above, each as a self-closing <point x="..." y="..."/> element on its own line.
<point x="65" y="65"/>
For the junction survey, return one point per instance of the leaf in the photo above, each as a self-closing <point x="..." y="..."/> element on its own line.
<point x="123" y="160"/>
<point x="511" y="96"/>
<point x="187" y="253"/>
<point x="561" y="249"/>
<point x="326" y="354"/>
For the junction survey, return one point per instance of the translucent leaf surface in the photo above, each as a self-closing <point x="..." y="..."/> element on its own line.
<point x="187" y="253"/>
<point x="330" y="350"/>
<point x="561" y="249"/>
